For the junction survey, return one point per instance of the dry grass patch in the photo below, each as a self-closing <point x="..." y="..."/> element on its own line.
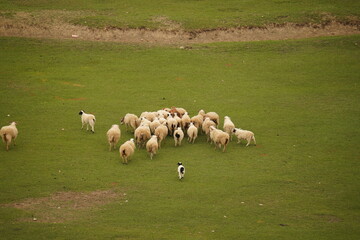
<point x="65" y="206"/>
<point x="56" y="25"/>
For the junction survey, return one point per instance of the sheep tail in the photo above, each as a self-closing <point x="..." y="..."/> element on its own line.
<point x="226" y="141"/>
<point x="94" y="119"/>
<point x="123" y="153"/>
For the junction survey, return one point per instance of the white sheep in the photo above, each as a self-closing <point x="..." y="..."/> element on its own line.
<point x="152" y="146"/>
<point x="185" y="121"/>
<point x="148" y="115"/>
<point x="126" y="150"/>
<point x="192" y="133"/>
<point x="141" y="135"/>
<point x="113" y="135"/>
<point x="197" y="120"/>
<point x="144" y="122"/>
<point x="244" y="134"/>
<point x="219" y="137"/>
<point x="162" y="113"/>
<point x="130" y="120"/>
<point x="178" y="120"/>
<point x="161" y="132"/>
<point x="228" y="126"/>
<point x="212" y="115"/>
<point x="154" y="124"/>
<point x="172" y="124"/>
<point x="178" y="136"/>
<point x="162" y="120"/>
<point x="206" y="127"/>
<point x="8" y="134"/>
<point x="88" y="119"/>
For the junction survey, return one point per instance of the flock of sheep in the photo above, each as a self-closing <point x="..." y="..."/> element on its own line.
<point x="151" y="128"/>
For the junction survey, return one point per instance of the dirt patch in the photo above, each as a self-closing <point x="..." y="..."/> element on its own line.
<point x="55" y="25"/>
<point x="65" y="206"/>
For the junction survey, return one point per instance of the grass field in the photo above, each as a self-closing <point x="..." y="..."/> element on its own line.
<point x="301" y="98"/>
<point x="203" y="14"/>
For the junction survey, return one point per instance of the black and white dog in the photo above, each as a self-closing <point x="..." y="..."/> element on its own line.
<point x="181" y="170"/>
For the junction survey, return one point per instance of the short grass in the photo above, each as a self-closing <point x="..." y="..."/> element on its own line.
<point x="203" y="14"/>
<point x="301" y="98"/>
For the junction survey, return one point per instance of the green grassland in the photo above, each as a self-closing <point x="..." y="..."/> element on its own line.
<point x="189" y="14"/>
<point x="300" y="98"/>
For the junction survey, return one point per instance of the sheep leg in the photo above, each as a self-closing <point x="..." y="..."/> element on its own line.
<point x="82" y="125"/>
<point x="151" y="156"/>
<point x="248" y="141"/>
<point x="253" y="138"/>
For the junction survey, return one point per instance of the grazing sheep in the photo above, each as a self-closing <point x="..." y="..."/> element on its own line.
<point x="212" y="115"/>
<point x="181" y="170"/>
<point x="154" y="124"/>
<point x="185" y="121"/>
<point x="228" y="126"/>
<point x="9" y="133"/>
<point x="130" y="120"/>
<point x="192" y="133"/>
<point x="113" y="135"/>
<point x="244" y="134"/>
<point x="161" y="132"/>
<point x="219" y="137"/>
<point x="87" y="119"/>
<point x="178" y="136"/>
<point x="206" y="127"/>
<point x="152" y="146"/>
<point x="197" y="120"/>
<point x="141" y="135"/>
<point x="127" y="150"/>
<point x="172" y="124"/>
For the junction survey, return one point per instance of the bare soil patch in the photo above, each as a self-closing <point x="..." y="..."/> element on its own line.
<point x="55" y="25"/>
<point x="64" y="206"/>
